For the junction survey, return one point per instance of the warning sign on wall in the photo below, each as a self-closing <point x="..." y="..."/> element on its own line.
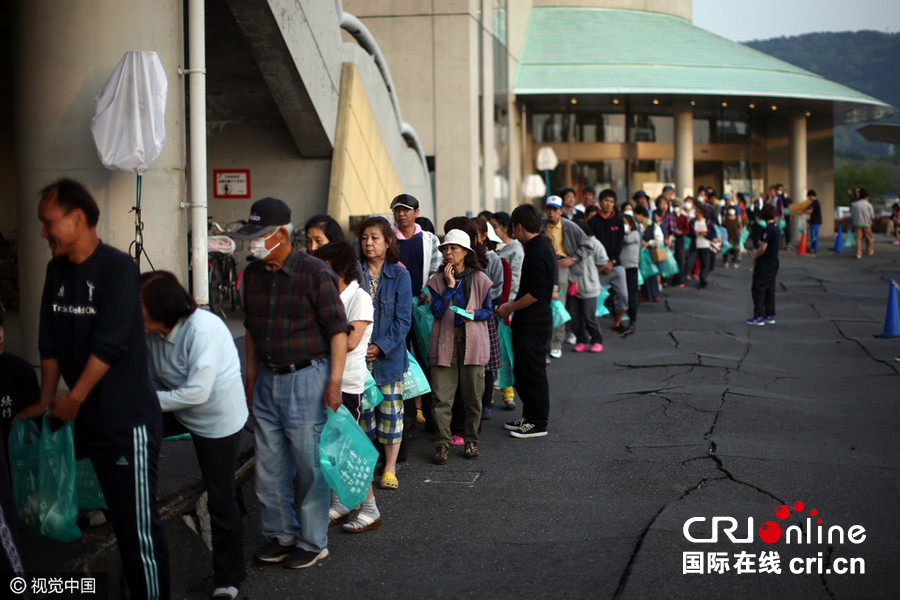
<point x="232" y="183"/>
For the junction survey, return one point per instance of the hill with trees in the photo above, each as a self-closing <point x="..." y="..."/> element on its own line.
<point x="863" y="60"/>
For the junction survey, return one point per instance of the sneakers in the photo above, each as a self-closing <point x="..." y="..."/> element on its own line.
<point x="556" y="353"/>
<point x="302" y="559"/>
<point x="529" y="430"/>
<point x="440" y="455"/>
<point x="420" y="416"/>
<point x="619" y="328"/>
<point x="571" y="339"/>
<point x="274" y="552"/>
<point x="770" y="320"/>
<point x="597" y="348"/>
<point x="487" y="414"/>
<point x="514" y="425"/>
<point x="757" y="321"/>
<point x="737" y="265"/>
<point x="471" y="450"/>
<point x="579" y="348"/>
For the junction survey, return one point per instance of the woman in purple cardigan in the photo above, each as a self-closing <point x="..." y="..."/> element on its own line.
<point x="460" y="344"/>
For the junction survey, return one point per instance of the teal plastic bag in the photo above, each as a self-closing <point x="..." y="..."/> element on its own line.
<point x="422" y="324"/>
<point x="723" y="235"/>
<point x="505" y="376"/>
<point x="647" y="267"/>
<point x="559" y="312"/>
<point x="602" y="311"/>
<point x="347" y="457"/>
<point x="44" y="479"/>
<point x="90" y="496"/>
<point x="372" y="396"/>
<point x="414" y="381"/>
<point x="669" y="267"/>
<point x="744" y="235"/>
<point x="850" y="239"/>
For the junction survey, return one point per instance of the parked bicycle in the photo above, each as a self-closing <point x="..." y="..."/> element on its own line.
<point x="222" y="274"/>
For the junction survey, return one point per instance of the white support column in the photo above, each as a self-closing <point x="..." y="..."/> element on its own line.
<point x="684" y="148"/>
<point x="199" y="210"/>
<point x="54" y="93"/>
<point x="488" y="155"/>
<point x="798" y="188"/>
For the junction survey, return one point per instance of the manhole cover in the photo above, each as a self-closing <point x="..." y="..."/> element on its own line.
<point x="459" y="477"/>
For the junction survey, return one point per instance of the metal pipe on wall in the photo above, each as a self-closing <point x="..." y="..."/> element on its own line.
<point x="198" y="198"/>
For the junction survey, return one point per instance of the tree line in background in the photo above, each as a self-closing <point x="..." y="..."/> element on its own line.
<point x="866" y="61"/>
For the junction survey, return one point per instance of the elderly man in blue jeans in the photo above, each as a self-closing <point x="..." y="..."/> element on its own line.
<point x="296" y="349"/>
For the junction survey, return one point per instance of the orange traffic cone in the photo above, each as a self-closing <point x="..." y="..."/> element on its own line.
<point x="801" y="247"/>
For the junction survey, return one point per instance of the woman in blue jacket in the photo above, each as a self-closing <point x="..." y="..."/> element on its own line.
<point x="389" y="285"/>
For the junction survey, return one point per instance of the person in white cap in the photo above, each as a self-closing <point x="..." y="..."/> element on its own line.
<point x="460" y="344"/>
<point x="572" y="247"/>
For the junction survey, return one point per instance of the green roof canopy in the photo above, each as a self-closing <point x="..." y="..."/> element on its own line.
<point x="614" y="51"/>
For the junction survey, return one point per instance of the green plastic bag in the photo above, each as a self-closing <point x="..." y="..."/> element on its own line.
<point x="850" y="239"/>
<point x="422" y="324"/>
<point x="347" y="457"/>
<point x="90" y="496"/>
<point x="602" y="311"/>
<point x="723" y="235"/>
<point x="505" y="376"/>
<point x="372" y="396"/>
<point x="744" y="235"/>
<point x="647" y="267"/>
<point x="560" y="314"/>
<point x="44" y="479"/>
<point x="414" y="381"/>
<point x="669" y="267"/>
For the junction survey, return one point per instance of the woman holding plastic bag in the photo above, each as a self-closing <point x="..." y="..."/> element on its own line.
<point x="194" y="368"/>
<point x="460" y="342"/>
<point x="341" y="257"/>
<point x="388" y="283"/>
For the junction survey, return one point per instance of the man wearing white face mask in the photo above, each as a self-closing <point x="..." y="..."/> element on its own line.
<point x="296" y="348"/>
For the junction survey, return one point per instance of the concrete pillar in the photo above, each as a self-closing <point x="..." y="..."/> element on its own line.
<point x="798" y="188"/>
<point x="56" y="82"/>
<point x="684" y="148"/>
<point x="488" y="155"/>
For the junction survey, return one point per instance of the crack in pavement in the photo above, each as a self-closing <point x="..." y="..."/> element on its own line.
<point x="864" y="349"/>
<point x="827" y="561"/>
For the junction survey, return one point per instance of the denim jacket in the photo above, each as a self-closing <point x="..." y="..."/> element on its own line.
<point x="393" y="317"/>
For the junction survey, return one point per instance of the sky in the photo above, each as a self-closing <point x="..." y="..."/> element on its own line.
<point x="745" y="20"/>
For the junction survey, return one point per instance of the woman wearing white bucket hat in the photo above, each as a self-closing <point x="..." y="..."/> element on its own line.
<point x="460" y="344"/>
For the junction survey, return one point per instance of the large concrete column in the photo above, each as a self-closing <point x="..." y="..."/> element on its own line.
<point x="684" y="148"/>
<point x="488" y="153"/>
<point x="798" y="187"/>
<point x="56" y="82"/>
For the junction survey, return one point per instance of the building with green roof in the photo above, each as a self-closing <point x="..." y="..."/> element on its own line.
<point x="629" y="94"/>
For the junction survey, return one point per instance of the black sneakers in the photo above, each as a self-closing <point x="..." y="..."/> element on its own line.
<point x="514" y="425"/>
<point x="529" y="430"/>
<point x="274" y="552"/>
<point x="301" y="559"/>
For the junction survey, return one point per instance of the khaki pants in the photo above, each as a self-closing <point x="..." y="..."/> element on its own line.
<point x="444" y="381"/>
<point x="863" y="233"/>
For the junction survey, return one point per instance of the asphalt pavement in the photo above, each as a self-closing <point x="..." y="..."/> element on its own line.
<point x="697" y="415"/>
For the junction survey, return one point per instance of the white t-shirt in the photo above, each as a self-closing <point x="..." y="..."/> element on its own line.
<point x="701" y="230"/>
<point x="358" y="306"/>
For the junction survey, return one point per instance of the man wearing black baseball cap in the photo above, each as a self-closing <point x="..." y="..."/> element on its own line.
<point x="296" y="348"/>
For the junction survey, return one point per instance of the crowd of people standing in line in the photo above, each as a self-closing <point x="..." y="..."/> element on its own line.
<point x="325" y="323"/>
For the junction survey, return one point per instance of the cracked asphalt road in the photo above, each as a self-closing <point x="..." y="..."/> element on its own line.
<point x="696" y="415"/>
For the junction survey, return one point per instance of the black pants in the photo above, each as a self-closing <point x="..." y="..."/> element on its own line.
<point x="755" y="234"/>
<point x="530" y="371"/>
<point x="705" y="256"/>
<point x="678" y="246"/>
<point x="125" y="462"/>
<point x="763" y="290"/>
<point x="631" y="281"/>
<point x="218" y="463"/>
<point x="584" y="319"/>
<point x="10" y="559"/>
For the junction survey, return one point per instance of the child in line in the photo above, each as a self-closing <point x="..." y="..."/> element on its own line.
<point x="630" y="259"/>
<point x="735" y="228"/>
<point x="765" y="269"/>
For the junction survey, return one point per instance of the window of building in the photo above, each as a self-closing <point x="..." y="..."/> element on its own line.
<point x="602" y="174"/>
<point x="651" y="128"/>
<point x="549" y="129"/>
<point x="598" y="128"/>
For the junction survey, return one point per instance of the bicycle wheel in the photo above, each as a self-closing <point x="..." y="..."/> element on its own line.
<point x="236" y="301"/>
<point x="215" y="286"/>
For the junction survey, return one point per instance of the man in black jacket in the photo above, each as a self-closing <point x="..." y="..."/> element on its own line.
<point x="92" y="334"/>
<point x="609" y="228"/>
